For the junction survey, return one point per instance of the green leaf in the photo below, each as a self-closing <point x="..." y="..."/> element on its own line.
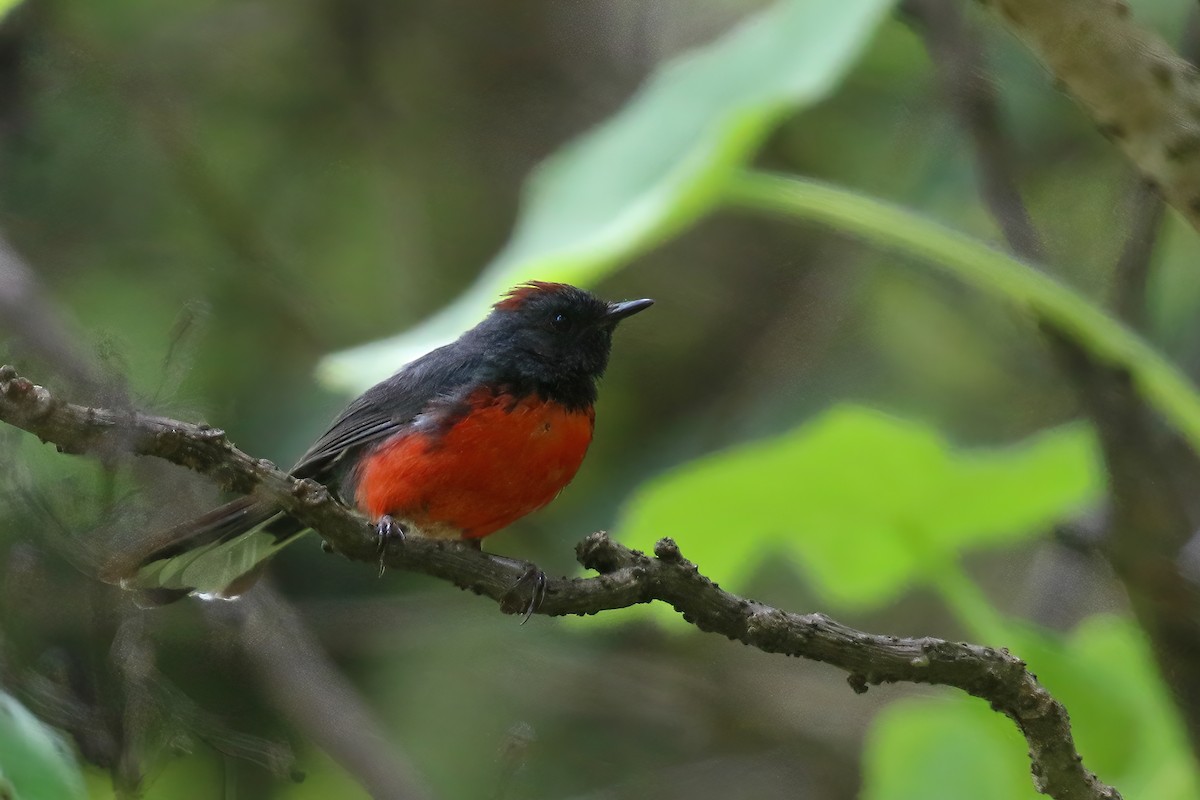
<point x="652" y="169"/>
<point x="868" y="504"/>
<point x="7" y="6"/>
<point x="34" y="759"/>
<point x="946" y="749"/>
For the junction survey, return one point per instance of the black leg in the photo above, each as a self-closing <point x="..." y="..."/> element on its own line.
<point x="532" y="581"/>
<point x="387" y="530"/>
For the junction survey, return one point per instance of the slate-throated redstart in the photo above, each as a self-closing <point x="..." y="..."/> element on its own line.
<point x="458" y="444"/>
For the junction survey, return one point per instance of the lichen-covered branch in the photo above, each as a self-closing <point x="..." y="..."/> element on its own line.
<point x="626" y="577"/>
<point x="1140" y="93"/>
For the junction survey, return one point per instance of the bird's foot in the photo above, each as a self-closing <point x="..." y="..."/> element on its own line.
<point x="387" y="530"/>
<point x="532" y="582"/>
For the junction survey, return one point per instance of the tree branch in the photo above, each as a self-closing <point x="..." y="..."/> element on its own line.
<point x="303" y="683"/>
<point x="1151" y="471"/>
<point x="315" y="695"/>
<point x="627" y="577"/>
<point x="1141" y="94"/>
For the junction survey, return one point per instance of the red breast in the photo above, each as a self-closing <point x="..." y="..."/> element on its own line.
<point x="505" y="458"/>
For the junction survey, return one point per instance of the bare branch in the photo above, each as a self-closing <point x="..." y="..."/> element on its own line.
<point x="312" y="684"/>
<point x="1140" y="93"/>
<point x="627" y="577"/>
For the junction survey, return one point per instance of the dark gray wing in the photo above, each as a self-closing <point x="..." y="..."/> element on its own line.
<point x="387" y="407"/>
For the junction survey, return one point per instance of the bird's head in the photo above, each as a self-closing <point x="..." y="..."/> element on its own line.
<point x="554" y="334"/>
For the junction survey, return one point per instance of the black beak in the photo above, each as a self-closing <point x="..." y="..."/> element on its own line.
<point x="619" y="311"/>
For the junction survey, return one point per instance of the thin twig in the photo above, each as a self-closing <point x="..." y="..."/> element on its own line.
<point x="315" y="695"/>
<point x="958" y="59"/>
<point x="1131" y="275"/>
<point x="27" y="315"/>
<point x="626" y="577"/>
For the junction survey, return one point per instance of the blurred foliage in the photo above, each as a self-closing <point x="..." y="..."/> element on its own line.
<point x="35" y="763"/>
<point x="222" y="194"/>
<point x="1055" y="304"/>
<point x="944" y="749"/>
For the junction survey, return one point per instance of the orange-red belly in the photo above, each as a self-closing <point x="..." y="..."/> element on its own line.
<point x="503" y="460"/>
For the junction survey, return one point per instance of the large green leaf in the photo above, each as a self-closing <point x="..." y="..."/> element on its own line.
<point x="35" y="762"/>
<point x="651" y="169"/>
<point x="868" y="504"/>
<point x="1125" y="726"/>
<point x="945" y="749"/>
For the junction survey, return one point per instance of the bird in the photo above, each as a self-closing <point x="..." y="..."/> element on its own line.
<point x="458" y="444"/>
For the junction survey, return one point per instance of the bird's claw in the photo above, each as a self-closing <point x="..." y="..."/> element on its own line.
<point x="387" y="530"/>
<point x="534" y="578"/>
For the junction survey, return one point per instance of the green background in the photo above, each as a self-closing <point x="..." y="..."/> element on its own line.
<point x="248" y="211"/>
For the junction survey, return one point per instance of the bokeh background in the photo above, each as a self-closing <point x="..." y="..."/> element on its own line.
<point x="205" y="198"/>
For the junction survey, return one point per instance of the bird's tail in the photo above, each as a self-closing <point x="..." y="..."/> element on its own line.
<point x="218" y="555"/>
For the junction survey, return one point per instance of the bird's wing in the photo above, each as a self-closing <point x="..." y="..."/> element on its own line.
<point x="385" y="409"/>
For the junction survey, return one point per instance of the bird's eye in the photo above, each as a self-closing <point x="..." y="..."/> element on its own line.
<point x="560" y="322"/>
